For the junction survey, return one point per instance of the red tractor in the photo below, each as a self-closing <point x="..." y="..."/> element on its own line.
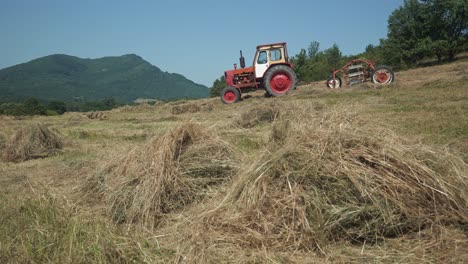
<point x="271" y="71"/>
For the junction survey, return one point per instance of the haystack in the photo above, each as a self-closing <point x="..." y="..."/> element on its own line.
<point x="32" y="141"/>
<point x="333" y="181"/>
<point x="96" y="115"/>
<point x="166" y="175"/>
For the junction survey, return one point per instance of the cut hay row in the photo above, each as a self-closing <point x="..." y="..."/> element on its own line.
<point x="191" y="108"/>
<point x="32" y="141"/>
<point x="138" y="107"/>
<point x="165" y="175"/>
<point x="96" y="115"/>
<point x="330" y="181"/>
<point x="3" y="141"/>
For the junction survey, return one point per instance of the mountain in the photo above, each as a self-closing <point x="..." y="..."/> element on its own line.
<point x="124" y="78"/>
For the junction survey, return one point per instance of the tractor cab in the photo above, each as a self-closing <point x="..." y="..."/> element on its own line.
<point x="271" y="71"/>
<point x="268" y="55"/>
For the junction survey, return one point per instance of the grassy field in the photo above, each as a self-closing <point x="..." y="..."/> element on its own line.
<point x="360" y="174"/>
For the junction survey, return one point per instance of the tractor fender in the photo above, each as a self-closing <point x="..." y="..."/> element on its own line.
<point x="271" y="66"/>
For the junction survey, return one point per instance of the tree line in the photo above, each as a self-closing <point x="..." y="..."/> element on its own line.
<point x="33" y="106"/>
<point x="418" y="31"/>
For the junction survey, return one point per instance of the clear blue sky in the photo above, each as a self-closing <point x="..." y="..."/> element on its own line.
<point x="198" y="39"/>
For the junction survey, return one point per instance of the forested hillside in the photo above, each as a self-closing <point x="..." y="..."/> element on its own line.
<point x="67" y="78"/>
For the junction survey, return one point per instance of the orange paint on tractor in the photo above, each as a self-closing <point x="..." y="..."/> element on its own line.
<point x="243" y="70"/>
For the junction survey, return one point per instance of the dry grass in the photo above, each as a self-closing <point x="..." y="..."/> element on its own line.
<point x="3" y="141"/>
<point x="191" y="108"/>
<point x="331" y="181"/>
<point x="279" y="132"/>
<point x="32" y="141"/>
<point x="436" y="245"/>
<point x="258" y="115"/>
<point x="167" y="174"/>
<point x="145" y="106"/>
<point x="46" y="231"/>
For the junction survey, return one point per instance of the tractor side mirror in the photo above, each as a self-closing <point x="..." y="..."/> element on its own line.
<point x="242" y="60"/>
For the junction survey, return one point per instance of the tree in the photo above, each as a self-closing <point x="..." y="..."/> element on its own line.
<point x="299" y="62"/>
<point x="218" y="85"/>
<point x="427" y="28"/>
<point x="313" y="49"/>
<point x="109" y="103"/>
<point x="449" y="26"/>
<point x="407" y="30"/>
<point x="57" y="106"/>
<point x="333" y="56"/>
<point x="14" y="109"/>
<point x="34" y="107"/>
<point x="373" y="53"/>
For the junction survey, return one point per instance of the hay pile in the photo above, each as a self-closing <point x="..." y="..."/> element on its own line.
<point x="172" y="171"/>
<point x="30" y="142"/>
<point x="258" y="115"/>
<point x="96" y="115"/>
<point x="150" y="105"/>
<point x="191" y="108"/>
<point x="337" y="180"/>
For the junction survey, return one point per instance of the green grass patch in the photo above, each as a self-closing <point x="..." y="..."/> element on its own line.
<point x="246" y="144"/>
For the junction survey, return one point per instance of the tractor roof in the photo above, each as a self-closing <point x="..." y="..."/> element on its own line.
<point x="279" y="44"/>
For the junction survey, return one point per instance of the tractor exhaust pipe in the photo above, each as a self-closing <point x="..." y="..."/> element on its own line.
<point x="242" y="60"/>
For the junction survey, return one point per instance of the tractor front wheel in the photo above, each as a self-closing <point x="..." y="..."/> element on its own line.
<point x="230" y="95"/>
<point x="279" y="80"/>
<point x="383" y="75"/>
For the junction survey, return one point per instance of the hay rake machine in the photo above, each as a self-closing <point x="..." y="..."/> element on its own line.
<point x="359" y="71"/>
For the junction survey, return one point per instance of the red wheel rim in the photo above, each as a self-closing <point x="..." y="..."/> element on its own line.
<point x="229" y="96"/>
<point x="280" y="83"/>
<point x="382" y="76"/>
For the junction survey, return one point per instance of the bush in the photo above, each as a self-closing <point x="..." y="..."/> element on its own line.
<point x="51" y="113"/>
<point x="30" y="106"/>
<point x="57" y="106"/>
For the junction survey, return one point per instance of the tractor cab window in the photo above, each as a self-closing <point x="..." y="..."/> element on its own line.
<point x="275" y="54"/>
<point x="262" y="57"/>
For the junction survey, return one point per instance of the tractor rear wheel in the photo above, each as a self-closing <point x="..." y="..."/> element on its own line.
<point x="279" y="80"/>
<point x="230" y="95"/>
<point x="383" y="75"/>
<point x="334" y="83"/>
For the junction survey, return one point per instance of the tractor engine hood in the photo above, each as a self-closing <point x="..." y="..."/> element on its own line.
<point x="229" y="75"/>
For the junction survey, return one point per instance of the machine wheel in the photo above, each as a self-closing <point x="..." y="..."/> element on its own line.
<point x="334" y="84"/>
<point x="230" y="95"/>
<point x="383" y="75"/>
<point x="279" y="80"/>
